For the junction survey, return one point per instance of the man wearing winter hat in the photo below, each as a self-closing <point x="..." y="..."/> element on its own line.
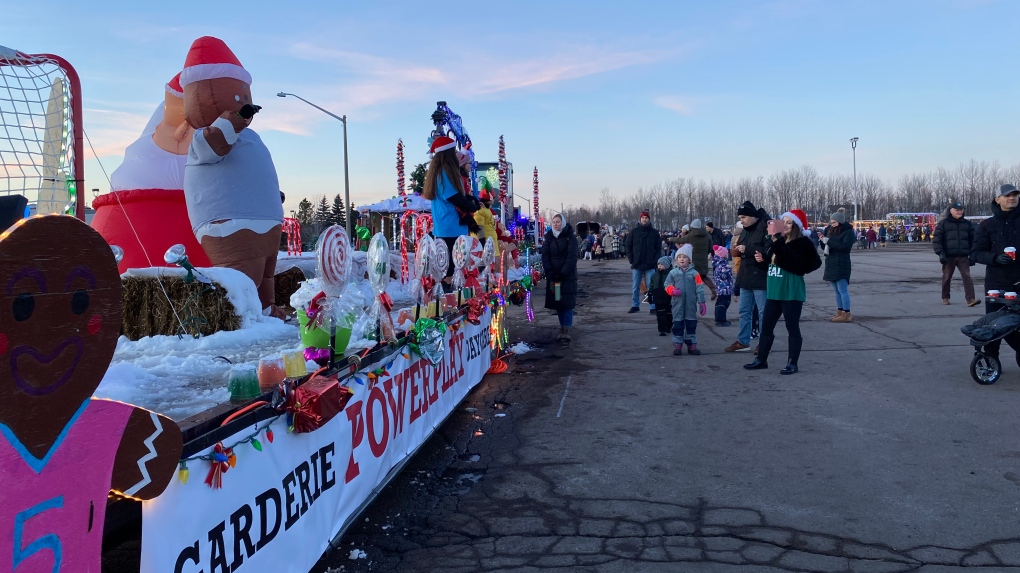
<point x="643" y="252"/>
<point x="752" y="275"/>
<point x="718" y="239"/>
<point x="954" y="237"/>
<point x="993" y="236"/>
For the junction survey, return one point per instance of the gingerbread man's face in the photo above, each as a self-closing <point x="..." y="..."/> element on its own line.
<point x="206" y="100"/>
<point x="60" y="317"/>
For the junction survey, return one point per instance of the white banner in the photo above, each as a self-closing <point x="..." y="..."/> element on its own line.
<point x="279" y="508"/>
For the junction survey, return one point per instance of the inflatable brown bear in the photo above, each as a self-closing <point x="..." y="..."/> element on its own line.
<point x="230" y="183"/>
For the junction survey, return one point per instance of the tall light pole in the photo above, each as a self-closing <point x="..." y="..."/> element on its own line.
<point x="347" y="179"/>
<point x="853" y="146"/>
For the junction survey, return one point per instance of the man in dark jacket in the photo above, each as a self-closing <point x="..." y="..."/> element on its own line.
<point x="643" y="253"/>
<point x="718" y="239"/>
<point x="954" y="237"/>
<point x="751" y="277"/>
<point x="993" y="235"/>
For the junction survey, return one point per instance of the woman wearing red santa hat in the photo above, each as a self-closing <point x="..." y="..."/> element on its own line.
<point x="450" y="202"/>
<point x="792" y="255"/>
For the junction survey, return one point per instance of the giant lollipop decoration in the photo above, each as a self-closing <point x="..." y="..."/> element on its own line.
<point x="422" y="288"/>
<point x="379" y="277"/>
<point x="488" y="260"/>
<point x="440" y="264"/>
<point x="333" y="256"/>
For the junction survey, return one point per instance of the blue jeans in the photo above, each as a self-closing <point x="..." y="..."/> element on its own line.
<point x="566" y="317"/>
<point x="842" y="288"/>
<point x="683" y="331"/>
<point x="636" y="285"/>
<point x="748" y="298"/>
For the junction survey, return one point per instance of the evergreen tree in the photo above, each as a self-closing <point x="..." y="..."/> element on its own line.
<point x="305" y="215"/>
<point x="336" y="213"/>
<point x="321" y="218"/>
<point x="418" y="178"/>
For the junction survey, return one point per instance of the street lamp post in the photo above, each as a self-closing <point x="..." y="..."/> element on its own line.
<point x="347" y="179"/>
<point x="853" y="146"/>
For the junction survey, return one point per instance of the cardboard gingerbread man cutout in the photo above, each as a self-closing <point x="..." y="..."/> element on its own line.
<point x="62" y="451"/>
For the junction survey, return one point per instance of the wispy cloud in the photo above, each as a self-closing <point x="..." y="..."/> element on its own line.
<point x="112" y="131"/>
<point x="681" y="105"/>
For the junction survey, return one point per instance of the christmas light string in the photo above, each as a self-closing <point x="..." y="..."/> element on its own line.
<point x="223" y="457"/>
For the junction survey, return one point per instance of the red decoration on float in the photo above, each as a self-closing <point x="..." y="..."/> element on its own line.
<point x="504" y="172"/>
<point x="534" y="201"/>
<point x="401" y="182"/>
<point x="292" y="228"/>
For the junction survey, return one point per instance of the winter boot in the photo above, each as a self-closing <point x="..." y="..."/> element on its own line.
<point x="566" y="334"/>
<point x="838" y="314"/>
<point x="838" y="317"/>
<point x="844" y="318"/>
<point x="563" y="331"/>
<point x="678" y="349"/>
<point x="692" y="349"/>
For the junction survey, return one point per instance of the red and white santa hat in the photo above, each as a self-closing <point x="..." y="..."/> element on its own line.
<point x="173" y="87"/>
<point x="442" y="143"/>
<point x="210" y="58"/>
<point x="799" y="217"/>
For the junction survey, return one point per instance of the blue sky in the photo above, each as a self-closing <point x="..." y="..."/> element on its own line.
<point x="596" y="94"/>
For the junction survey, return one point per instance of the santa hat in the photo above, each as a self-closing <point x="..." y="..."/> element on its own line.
<point x="173" y="87"/>
<point x="799" y="217"/>
<point x="210" y="58"/>
<point x="442" y="143"/>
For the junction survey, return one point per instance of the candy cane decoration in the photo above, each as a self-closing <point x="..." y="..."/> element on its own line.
<point x="292" y="228"/>
<point x="534" y="200"/>
<point x="504" y="175"/>
<point x="411" y="216"/>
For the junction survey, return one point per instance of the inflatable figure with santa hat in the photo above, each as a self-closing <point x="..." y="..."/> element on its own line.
<point x="230" y="182"/>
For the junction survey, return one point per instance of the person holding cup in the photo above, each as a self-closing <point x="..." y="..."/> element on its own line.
<point x="994" y="236"/>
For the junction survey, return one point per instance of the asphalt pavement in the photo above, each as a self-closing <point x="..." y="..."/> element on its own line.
<point x="611" y="455"/>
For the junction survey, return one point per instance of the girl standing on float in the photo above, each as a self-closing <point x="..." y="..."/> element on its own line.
<point x="792" y="255"/>
<point x="445" y="188"/>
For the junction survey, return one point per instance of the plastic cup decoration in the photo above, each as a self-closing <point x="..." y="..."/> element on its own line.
<point x="379" y="277"/>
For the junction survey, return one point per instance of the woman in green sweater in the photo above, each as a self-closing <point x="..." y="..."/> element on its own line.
<point x="792" y="255"/>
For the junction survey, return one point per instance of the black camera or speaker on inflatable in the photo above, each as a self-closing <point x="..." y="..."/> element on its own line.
<point x="12" y="210"/>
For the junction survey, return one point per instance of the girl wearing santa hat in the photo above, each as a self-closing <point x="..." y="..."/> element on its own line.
<point x="445" y="188"/>
<point x="791" y="255"/>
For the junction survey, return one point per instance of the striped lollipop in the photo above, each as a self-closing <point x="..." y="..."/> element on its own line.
<point x="334" y="259"/>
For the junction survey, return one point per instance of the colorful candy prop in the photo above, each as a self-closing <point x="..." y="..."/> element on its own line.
<point x="534" y="200"/>
<point x="427" y="339"/>
<point x="292" y="228"/>
<point x="504" y="172"/>
<point x="401" y="182"/>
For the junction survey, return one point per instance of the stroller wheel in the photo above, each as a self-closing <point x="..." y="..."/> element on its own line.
<point x="985" y="369"/>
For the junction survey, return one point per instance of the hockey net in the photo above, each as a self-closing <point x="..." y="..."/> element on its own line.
<point x="41" y="132"/>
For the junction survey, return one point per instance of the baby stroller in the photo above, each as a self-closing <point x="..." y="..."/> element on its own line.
<point x="985" y="368"/>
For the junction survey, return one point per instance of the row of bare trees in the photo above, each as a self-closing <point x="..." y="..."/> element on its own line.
<point x="675" y="203"/>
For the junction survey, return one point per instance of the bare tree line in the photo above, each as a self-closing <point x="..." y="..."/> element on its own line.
<point x="676" y="202"/>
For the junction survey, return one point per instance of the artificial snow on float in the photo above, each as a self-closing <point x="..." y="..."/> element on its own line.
<point x="183" y="376"/>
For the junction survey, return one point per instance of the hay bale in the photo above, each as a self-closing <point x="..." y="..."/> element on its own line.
<point x="201" y="310"/>
<point x="287" y="283"/>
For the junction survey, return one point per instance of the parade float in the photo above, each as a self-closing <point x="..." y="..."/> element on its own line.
<point x="251" y="435"/>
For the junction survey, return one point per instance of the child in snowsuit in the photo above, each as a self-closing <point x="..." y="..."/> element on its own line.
<point x="723" y="277"/>
<point x="685" y="288"/>
<point x="663" y="312"/>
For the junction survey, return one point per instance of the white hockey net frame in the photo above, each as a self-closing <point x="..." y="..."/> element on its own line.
<point x="41" y="155"/>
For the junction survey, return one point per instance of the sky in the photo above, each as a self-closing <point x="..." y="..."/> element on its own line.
<point x="617" y="95"/>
